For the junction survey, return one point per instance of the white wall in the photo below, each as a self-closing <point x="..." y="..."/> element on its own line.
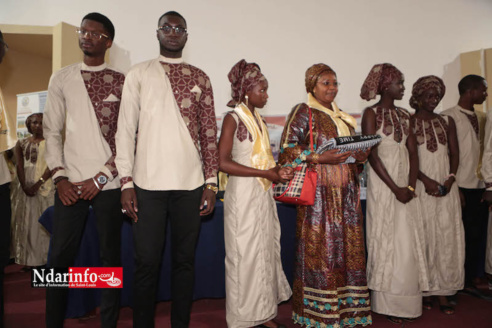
<point x="420" y="37"/>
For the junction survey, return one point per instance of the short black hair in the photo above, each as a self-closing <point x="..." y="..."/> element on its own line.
<point x="1" y="36"/>
<point x="172" y="13"/>
<point x="100" y="18"/>
<point x="470" y="82"/>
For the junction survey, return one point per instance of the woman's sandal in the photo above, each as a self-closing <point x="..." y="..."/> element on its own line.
<point x="427" y="305"/>
<point x="446" y="309"/>
<point x="395" y="320"/>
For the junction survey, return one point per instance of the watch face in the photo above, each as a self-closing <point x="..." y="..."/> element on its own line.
<point x="102" y="179"/>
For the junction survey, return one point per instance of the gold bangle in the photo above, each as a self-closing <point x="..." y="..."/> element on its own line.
<point x="411" y="188"/>
<point x="315" y="158"/>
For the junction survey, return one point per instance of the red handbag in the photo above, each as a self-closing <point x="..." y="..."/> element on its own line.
<point x="301" y="190"/>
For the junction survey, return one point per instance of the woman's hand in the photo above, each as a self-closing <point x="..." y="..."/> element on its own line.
<point x="34" y="188"/>
<point x="432" y="187"/>
<point x="332" y="156"/>
<point x="28" y="191"/>
<point x="361" y="155"/>
<point x="286" y="173"/>
<point x="279" y="174"/>
<point x="404" y="195"/>
<point x="448" y="183"/>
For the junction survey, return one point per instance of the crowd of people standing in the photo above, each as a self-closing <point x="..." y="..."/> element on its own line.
<point x="145" y="145"/>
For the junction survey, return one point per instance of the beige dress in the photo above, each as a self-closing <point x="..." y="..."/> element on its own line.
<point x="255" y="280"/>
<point x="30" y="239"/>
<point x="396" y="265"/>
<point x="444" y="234"/>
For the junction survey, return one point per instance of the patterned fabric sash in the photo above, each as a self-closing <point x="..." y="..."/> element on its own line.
<point x="261" y="156"/>
<point x="340" y="118"/>
<point x="104" y="90"/>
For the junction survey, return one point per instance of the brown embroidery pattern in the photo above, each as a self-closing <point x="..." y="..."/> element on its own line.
<point x="431" y="132"/>
<point x="441" y="129"/>
<point x="241" y="129"/>
<point x="242" y="132"/>
<point x="104" y="89"/>
<point x="193" y="93"/>
<point x="397" y="127"/>
<point x="473" y="120"/>
<point x="30" y="150"/>
<point x="430" y="136"/>
<point x="419" y="131"/>
<point x="393" y="120"/>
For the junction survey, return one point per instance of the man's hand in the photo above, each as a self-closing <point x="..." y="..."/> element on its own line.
<point x="487" y="196"/>
<point x="129" y="203"/>
<point x="67" y="192"/>
<point x="462" y="199"/>
<point x="91" y="187"/>
<point x="88" y="189"/>
<point x="209" y="197"/>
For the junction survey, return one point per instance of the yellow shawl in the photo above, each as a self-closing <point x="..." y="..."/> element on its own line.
<point x="261" y="157"/>
<point x="340" y="118"/>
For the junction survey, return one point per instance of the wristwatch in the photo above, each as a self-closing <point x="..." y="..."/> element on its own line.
<point x="213" y="188"/>
<point x="102" y="180"/>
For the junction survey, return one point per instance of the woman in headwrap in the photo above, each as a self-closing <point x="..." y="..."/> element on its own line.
<point x="33" y="192"/>
<point x="437" y="193"/>
<point x="255" y="280"/>
<point x="330" y="288"/>
<point x="396" y="264"/>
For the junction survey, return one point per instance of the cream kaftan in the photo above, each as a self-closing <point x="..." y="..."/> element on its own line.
<point x="396" y="265"/>
<point x="443" y="227"/>
<point x="30" y="241"/>
<point x="255" y="280"/>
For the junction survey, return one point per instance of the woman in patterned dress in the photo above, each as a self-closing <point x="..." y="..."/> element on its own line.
<point x="396" y="265"/>
<point x="32" y="194"/>
<point x="437" y="193"/>
<point x="330" y="288"/>
<point x="255" y="280"/>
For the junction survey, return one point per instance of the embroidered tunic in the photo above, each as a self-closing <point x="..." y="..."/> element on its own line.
<point x="170" y="103"/>
<point x="85" y="101"/>
<point x="396" y="264"/>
